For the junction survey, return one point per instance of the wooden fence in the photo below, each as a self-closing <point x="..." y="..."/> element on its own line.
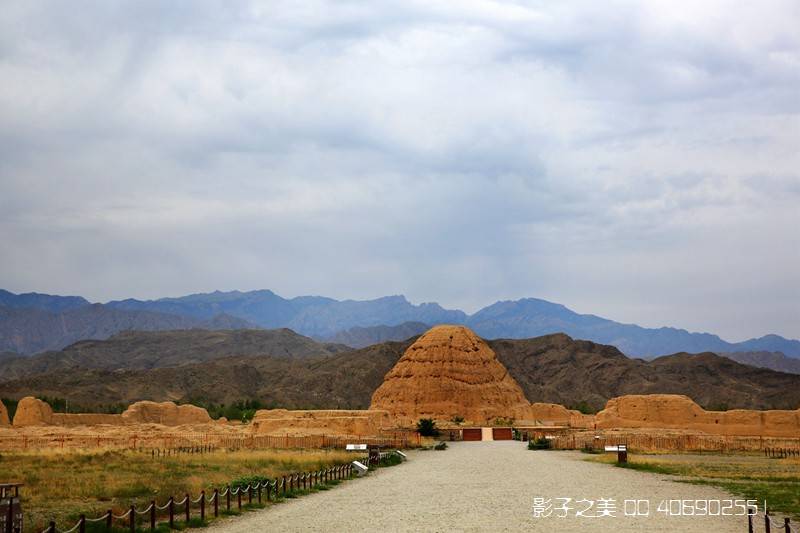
<point x="210" y="502"/>
<point x="679" y="443"/>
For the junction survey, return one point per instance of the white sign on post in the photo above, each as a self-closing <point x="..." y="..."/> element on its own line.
<point x="361" y="468"/>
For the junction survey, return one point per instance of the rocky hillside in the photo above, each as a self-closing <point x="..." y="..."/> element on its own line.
<point x="33" y="330"/>
<point x="553" y="368"/>
<point x="361" y="337"/>
<point x="772" y="360"/>
<point x="142" y="350"/>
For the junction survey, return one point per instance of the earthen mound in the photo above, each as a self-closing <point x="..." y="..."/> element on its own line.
<point x="4" y="421"/>
<point x="165" y="413"/>
<point x="449" y="371"/>
<point x="680" y="412"/>
<point x="32" y="412"/>
<point x="321" y="422"/>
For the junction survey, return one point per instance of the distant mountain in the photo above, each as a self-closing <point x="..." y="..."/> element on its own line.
<point x="31" y="330"/>
<point x="360" y="337"/>
<point x="554" y="368"/>
<point x="326" y="318"/>
<point x="311" y="315"/>
<point x="772" y="360"/>
<point x="140" y="350"/>
<point x="45" y="302"/>
<point x="531" y="317"/>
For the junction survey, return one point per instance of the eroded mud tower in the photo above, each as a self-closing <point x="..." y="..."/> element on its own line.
<point x="449" y="371"/>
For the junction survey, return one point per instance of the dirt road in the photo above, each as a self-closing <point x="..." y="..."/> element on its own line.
<point x="491" y="486"/>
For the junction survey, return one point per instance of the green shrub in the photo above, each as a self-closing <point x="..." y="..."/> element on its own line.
<point x="427" y="427"/>
<point x="584" y="407"/>
<point x="539" y="443"/>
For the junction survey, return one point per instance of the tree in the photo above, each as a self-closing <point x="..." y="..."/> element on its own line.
<point x="427" y="427"/>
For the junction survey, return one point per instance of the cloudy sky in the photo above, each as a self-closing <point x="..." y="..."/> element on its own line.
<point x="640" y="161"/>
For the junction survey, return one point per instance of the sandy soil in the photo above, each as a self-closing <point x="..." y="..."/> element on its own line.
<point x="486" y="486"/>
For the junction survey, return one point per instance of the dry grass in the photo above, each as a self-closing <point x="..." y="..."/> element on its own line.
<point x="750" y="475"/>
<point x="61" y="485"/>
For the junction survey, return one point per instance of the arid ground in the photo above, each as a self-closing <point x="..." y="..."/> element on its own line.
<point x="487" y="486"/>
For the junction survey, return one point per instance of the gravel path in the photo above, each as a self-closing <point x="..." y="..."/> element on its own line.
<point x="485" y="486"/>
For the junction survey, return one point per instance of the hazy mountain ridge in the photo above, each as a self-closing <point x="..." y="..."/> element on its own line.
<point x="321" y="317"/>
<point x="772" y="360"/>
<point x="553" y="368"/>
<point x="143" y="350"/>
<point x="361" y="337"/>
<point x="33" y="330"/>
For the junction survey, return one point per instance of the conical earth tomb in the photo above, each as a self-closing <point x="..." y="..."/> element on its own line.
<point x="449" y="372"/>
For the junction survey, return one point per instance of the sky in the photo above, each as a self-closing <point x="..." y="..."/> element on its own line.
<point x="635" y="160"/>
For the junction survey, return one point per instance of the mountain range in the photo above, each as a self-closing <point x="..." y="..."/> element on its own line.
<point x="31" y="323"/>
<point x="283" y="369"/>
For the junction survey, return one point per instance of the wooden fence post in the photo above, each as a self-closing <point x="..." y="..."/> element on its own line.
<point x="202" y="506"/>
<point x="133" y="519"/>
<point x="249" y="494"/>
<point x="216" y="503"/>
<point x="228" y="499"/>
<point x="153" y="514"/>
<point x="52" y="527"/>
<point x="258" y="489"/>
<point x="767" y="528"/>
<point x="787" y="528"/>
<point x="10" y="516"/>
<point x="284" y="485"/>
<point x="171" y="506"/>
<point x="239" y="498"/>
<point x="187" y="509"/>
<point x="82" y="524"/>
<point x="109" y="519"/>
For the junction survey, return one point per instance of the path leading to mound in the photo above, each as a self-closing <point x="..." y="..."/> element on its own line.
<point x="486" y="486"/>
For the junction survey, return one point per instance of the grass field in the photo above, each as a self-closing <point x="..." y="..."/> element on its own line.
<point x="61" y="485"/>
<point x="751" y="476"/>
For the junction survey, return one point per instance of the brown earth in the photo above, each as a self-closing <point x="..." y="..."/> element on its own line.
<point x="143" y="350"/>
<point x="4" y="421"/>
<point x="449" y="371"/>
<point x="551" y="369"/>
<point x="320" y="422"/>
<point x="558" y="369"/>
<point x="671" y="411"/>
<point x="34" y="412"/>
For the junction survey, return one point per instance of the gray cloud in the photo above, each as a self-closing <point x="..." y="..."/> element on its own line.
<point x="633" y="160"/>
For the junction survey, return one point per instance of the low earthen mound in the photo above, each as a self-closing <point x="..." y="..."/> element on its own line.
<point x="674" y="411"/>
<point x="321" y="422"/>
<point x="165" y="413"/>
<point x="32" y="412"/>
<point x="449" y="371"/>
<point x="4" y="421"/>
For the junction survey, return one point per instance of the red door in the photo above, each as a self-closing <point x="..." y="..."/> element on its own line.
<point x="501" y="434"/>
<point x="471" y="434"/>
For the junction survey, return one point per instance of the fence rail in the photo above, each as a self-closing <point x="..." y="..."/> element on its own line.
<point x="210" y="502"/>
<point x="757" y="522"/>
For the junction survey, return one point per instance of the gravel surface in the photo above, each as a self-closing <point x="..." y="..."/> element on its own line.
<point x="486" y="486"/>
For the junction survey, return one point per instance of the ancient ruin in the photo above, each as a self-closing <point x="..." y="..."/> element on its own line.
<point x="321" y="422"/>
<point x="4" y="421"/>
<point x="451" y="375"/>
<point x="672" y="411"/>
<point x="34" y="412"/>
<point x="449" y="372"/>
